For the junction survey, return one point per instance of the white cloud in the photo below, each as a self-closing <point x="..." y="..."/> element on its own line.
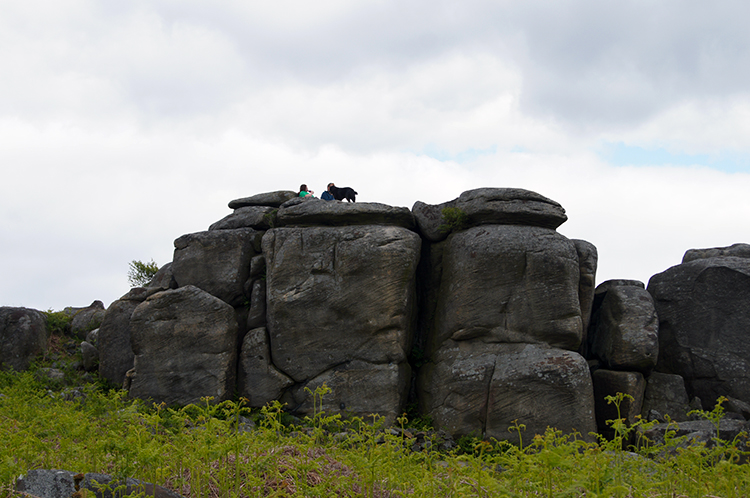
<point x="125" y="125"/>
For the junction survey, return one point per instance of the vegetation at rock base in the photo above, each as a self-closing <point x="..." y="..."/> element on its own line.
<point x="228" y="450"/>
<point x="140" y="273"/>
<point x="80" y="424"/>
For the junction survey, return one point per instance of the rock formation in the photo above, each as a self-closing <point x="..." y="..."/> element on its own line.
<point x="477" y="310"/>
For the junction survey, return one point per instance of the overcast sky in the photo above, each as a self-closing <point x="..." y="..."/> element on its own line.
<point x="124" y="125"/>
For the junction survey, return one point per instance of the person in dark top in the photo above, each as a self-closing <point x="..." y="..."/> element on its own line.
<point x="327" y="196"/>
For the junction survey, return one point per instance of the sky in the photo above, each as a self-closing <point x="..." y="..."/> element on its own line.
<point x="124" y="125"/>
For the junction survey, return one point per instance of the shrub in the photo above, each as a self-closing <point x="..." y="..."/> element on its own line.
<point x="454" y="219"/>
<point x="140" y="273"/>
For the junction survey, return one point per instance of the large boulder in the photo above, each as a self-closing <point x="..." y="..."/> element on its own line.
<point x="87" y="319"/>
<point x="626" y="329"/>
<point x="23" y="336"/>
<point x="665" y="395"/>
<point x="610" y="383"/>
<point x="185" y="346"/>
<point x="257" y="217"/>
<point x="493" y="206"/>
<point x="506" y="283"/>
<point x="704" y="320"/>
<point x="358" y="388"/>
<point x="113" y="340"/>
<point x="217" y="261"/>
<point x="273" y="199"/>
<point x="337" y="295"/>
<point x="482" y="389"/>
<point x="306" y="212"/>
<point x="259" y="380"/>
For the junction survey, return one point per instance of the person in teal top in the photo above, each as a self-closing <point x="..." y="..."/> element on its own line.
<point x="304" y="192"/>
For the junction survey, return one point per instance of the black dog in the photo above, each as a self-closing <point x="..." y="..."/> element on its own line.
<point x="340" y="194"/>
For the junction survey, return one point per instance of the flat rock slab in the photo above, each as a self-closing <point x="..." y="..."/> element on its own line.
<point x="257" y="217"/>
<point x="491" y="206"/>
<point x="735" y="250"/>
<point x="273" y="199"/>
<point x="317" y="212"/>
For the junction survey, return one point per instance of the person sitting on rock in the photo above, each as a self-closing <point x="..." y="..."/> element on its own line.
<point x="327" y="196"/>
<point x="304" y="192"/>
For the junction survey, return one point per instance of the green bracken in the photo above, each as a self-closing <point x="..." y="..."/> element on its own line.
<point x="228" y="450"/>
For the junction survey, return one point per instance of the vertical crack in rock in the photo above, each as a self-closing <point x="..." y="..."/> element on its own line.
<point x="484" y="416"/>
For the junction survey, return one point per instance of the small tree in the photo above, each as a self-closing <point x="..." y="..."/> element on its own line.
<point x="140" y="273"/>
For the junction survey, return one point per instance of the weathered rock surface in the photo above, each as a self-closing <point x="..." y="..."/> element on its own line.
<point x="310" y="212"/>
<point x="273" y="199"/>
<point x="588" y="259"/>
<point x="23" y="336"/>
<point x="259" y="380"/>
<point x="115" y="353"/>
<point x="735" y="250"/>
<point x="89" y="356"/>
<point x="256" y="316"/>
<point x="43" y="483"/>
<point x="87" y="319"/>
<point x="164" y="278"/>
<point x="217" y="262"/>
<point x="185" y="346"/>
<point x="338" y="295"/>
<point x="701" y="431"/>
<point x="256" y="217"/>
<point x="611" y="382"/>
<point x="704" y="320"/>
<point x="493" y="206"/>
<point x="472" y="387"/>
<point x="358" y="388"/>
<point x="505" y="283"/>
<point x="626" y="330"/>
<point x="665" y="394"/>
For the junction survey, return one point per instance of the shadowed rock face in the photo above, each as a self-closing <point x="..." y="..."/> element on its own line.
<point x="185" y="346"/>
<point x="704" y="320"/>
<point x="626" y="335"/>
<point x="472" y="387"/>
<point x="510" y="284"/>
<point x="217" y="261"/>
<point x="23" y="335"/>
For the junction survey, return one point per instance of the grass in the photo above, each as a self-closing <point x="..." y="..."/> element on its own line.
<point x="205" y="450"/>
